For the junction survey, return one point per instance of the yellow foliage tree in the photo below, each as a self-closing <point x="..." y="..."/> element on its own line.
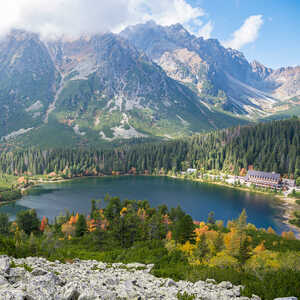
<point x="214" y="241"/>
<point x="233" y="241"/>
<point x="259" y="248"/>
<point x="251" y="227"/>
<point x="101" y="213"/>
<point x="187" y="248"/>
<point x="220" y="224"/>
<point x="271" y="230"/>
<point x="223" y="260"/>
<point x="202" y="229"/>
<point x="142" y="213"/>
<point x="170" y="245"/>
<point x="230" y="224"/>
<point x="288" y="235"/>
<point x="263" y="261"/>
<point x="123" y="211"/>
<point x="13" y="227"/>
<point x="68" y="229"/>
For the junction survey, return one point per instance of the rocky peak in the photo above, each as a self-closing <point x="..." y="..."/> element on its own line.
<point x="260" y="70"/>
<point x="22" y="35"/>
<point x="179" y="30"/>
<point x="150" y="38"/>
<point x="286" y="81"/>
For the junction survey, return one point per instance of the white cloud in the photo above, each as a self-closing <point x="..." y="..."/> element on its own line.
<point x="246" y="34"/>
<point x="75" y="17"/>
<point x="206" y="30"/>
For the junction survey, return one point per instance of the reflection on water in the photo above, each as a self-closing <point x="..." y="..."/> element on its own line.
<point x="197" y="199"/>
<point x="12" y="209"/>
<point x="38" y="190"/>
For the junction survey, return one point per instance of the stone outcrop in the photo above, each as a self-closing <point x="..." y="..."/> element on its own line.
<point x="38" y="279"/>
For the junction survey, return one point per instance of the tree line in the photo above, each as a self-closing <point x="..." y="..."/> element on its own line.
<point x="272" y="146"/>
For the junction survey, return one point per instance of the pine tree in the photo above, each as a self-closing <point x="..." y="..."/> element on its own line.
<point x="80" y="227"/>
<point x="93" y="209"/>
<point x="211" y="218"/>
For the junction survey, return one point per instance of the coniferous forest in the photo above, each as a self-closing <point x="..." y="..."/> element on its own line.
<point x="273" y="146"/>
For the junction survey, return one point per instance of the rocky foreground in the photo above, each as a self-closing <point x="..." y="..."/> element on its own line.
<point x="36" y="278"/>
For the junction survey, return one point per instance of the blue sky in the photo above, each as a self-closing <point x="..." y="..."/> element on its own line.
<point x="278" y="38"/>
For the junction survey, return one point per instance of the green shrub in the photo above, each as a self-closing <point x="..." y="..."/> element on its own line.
<point x="28" y="221"/>
<point x="185" y="296"/>
<point x="10" y="195"/>
<point x="274" y="285"/>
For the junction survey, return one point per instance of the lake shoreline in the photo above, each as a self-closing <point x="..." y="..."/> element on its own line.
<point x="288" y="204"/>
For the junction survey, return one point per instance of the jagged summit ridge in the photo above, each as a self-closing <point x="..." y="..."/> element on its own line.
<point x="147" y="81"/>
<point x="87" y="85"/>
<point x="250" y="88"/>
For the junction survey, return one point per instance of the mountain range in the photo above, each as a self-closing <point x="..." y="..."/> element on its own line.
<point x="147" y="81"/>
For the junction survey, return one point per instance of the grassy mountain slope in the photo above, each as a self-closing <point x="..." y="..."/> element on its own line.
<point x="94" y="90"/>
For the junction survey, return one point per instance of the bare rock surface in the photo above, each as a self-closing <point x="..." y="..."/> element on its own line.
<point x="35" y="278"/>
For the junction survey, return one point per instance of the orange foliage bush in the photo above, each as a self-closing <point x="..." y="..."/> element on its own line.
<point x="44" y="223"/>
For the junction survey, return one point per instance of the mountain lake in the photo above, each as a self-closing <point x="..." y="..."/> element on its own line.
<point x="195" y="198"/>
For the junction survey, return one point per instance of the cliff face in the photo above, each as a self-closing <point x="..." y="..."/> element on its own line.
<point x="95" y="280"/>
<point x="98" y="87"/>
<point x="27" y="81"/>
<point x="147" y="81"/>
<point x="286" y="82"/>
<point x="250" y="88"/>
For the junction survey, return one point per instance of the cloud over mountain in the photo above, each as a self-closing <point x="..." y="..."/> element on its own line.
<point x="75" y="17"/>
<point x="206" y="30"/>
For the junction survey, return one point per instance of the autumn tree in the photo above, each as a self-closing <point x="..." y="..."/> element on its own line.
<point x="202" y="247"/>
<point x="288" y="235"/>
<point x="236" y="241"/>
<point x="44" y="223"/>
<point x="68" y="229"/>
<point x="271" y="230"/>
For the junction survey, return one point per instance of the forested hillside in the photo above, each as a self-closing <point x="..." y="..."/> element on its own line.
<point x="273" y="146"/>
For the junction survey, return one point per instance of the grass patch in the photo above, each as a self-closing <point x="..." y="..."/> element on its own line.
<point x="185" y="296"/>
<point x="25" y="266"/>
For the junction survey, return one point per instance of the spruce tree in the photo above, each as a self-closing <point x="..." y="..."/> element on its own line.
<point x="81" y="227"/>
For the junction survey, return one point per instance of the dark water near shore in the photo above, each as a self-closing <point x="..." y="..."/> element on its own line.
<point x="197" y="199"/>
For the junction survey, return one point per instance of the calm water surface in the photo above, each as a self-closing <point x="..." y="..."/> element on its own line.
<point x="197" y="199"/>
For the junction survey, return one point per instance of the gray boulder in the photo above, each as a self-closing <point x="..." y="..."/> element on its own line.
<point x="287" y="298"/>
<point x="4" y="264"/>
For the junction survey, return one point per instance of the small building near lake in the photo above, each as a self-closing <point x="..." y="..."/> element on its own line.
<point x="190" y="171"/>
<point x="264" y="179"/>
<point x="288" y="183"/>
